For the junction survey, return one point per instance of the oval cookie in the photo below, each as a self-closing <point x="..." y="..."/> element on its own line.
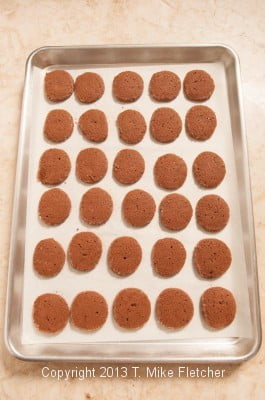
<point x="54" y="167"/>
<point x="168" y="257"/>
<point x="93" y="125"/>
<point x="198" y="85"/>
<point x="164" y="86"/>
<point x="48" y="258"/>
<point x="89" y="87"/>
<point x="124" y="255"/>
<point x="208" y="169"/>
<point x="200" y="122"/>
<point x="128" y="86"/>
<point x="218" y="307"/>
<point x="131" y="126"/>
<point x="212" y="213"/>
<point x="91" y="165"/>
<point x="128" y="166"/>
<point x="170" y="171"/>
<point x="138" y="208"/>
<point x="165" y="125"/>
<point x="54" y="207"/>
<point x="96" y="206"/>
<point x="175" y="212"/>
<point x="84" y="251"/>
<point x="50" y="313"/>
<point x="58" y="126"/>
<point x="58" y="85"/>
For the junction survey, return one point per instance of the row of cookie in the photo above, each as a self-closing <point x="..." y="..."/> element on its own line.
<point x="170" y="170"/>
<point x="211" y="257"/>
<point x="128" y="86"/>
<point x="165" y="125"/>
<point x="138" y="209"/>
<point x="131" y="309"/>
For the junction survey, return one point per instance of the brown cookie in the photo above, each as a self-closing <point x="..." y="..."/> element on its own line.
<point x="128" y="166"/>
<point x="175" y="212"/>
<point x="208" y="169"/>
<point x="200" y="122"/>
<point x="54" y="167"/>
<point x="131" y="126"/>
<point x="174" y="308"/>
<point x="212" y="213"/>
<point x="168" y="256"/>
<point x="165" y="125"/>
<point x="211" y="258"/>
<point x="218" y="307"/>
<point x="89" y="311"/>
<point x="50" y="313"/>
<point x="91" y="165"/>
<point x="58" y="85"/>
<point x="89" y="87"/>
<point x="131" y="308"/>
<point x="198" y="85"/>
<point x="138" y="208"/>
<point x="93" y="125"/>
<point x="170" y="171"/>
<point x="164" y="86"/>
<point x="54" y="207"/>
<point x="128" y="86"/>
<point x="84" y="251"/>
<point x="96" y="206"/>
<point x="48" y="258"/>
<point x="124" y="255"/>
<point x="58" y="126"/>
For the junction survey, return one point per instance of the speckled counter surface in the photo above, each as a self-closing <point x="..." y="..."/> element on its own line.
<point x="26" y="25"/>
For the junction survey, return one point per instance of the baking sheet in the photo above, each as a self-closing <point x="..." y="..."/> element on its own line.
<point x="68" y="283"/>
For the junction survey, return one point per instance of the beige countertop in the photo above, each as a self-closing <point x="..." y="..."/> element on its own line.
<point x="26" y="25"/>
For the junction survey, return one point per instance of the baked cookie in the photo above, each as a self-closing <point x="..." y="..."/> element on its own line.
<point x="54" y="167"/>
<point x="132" y="126"/>
<point x="89" y="311"/>
<point x="58" y="126"/>
<point x="212" y="213"/>
<point x="84" y="251"/>
<point x="131" y="308"/>
<point x="175" y="212"/>
<point x="128" y="166"/>
<point x="200" y="122"/>
<point x="168" y="257"/>
<point x="91" y="165"/>
<point x="48" y="258"/>
<point x="198" y="85"/>
<point x="124" y="255"/>
<point x="174" y="308"/>
<point x="165" y="125"/>
<point x="170" y="171"/>
<point x="54" y="207"/>
<point x="58" y="85"/>
<point x="212" y="258"/>
<point x="138" y="208"/>
<point x="208" y="169"/>
<point x="96" y="206"/>
<point x="89" y="87"/>
<point x="127" y="86"/>
<point x="164" y="86"/>
<point x="50" y="313"/>
<point x="218" y="307"/>
<point x="93" y="125"/>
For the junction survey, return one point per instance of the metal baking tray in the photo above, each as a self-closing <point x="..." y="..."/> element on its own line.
<point x="229" y="348"/>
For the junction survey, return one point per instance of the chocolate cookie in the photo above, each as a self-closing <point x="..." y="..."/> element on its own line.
<point x="175" y="212"/>
<point x="58" y="126"/>
<point x="138" y="208"/>
<point x="208" y="169"/>
<point x="168" y="256"/>
<point x="54" y="207"/>
<point x="218" y="307"/>
<point x="54" y="167"/>
<point x="89" y="87"/>
<point x="93" y="125"/>
<point x="211" y="258"/>
<point x="128" y="86"/>
<point x="128" y="166"/>
<point x="212" y="213"/>
<point x="91" y="165"/>
<point x="124" y="255"/>
<point x="170" y="171"/>
<point x="48" y="258"/>
<point x="198" y="85"/>
<point x="174" y="308"/>
<point x="165" y="125"/>
<point x="84" y="251"/>
<point x="131" y="126"/>
<point x="131" y="308"/>
<point x="89" y="311"/>
<point x="96" y="206"/>
<point x="58" y="85"/>
<point x="50" y="313"/>
<point x="164" y="86"/>
<point x="200" y="122"/>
